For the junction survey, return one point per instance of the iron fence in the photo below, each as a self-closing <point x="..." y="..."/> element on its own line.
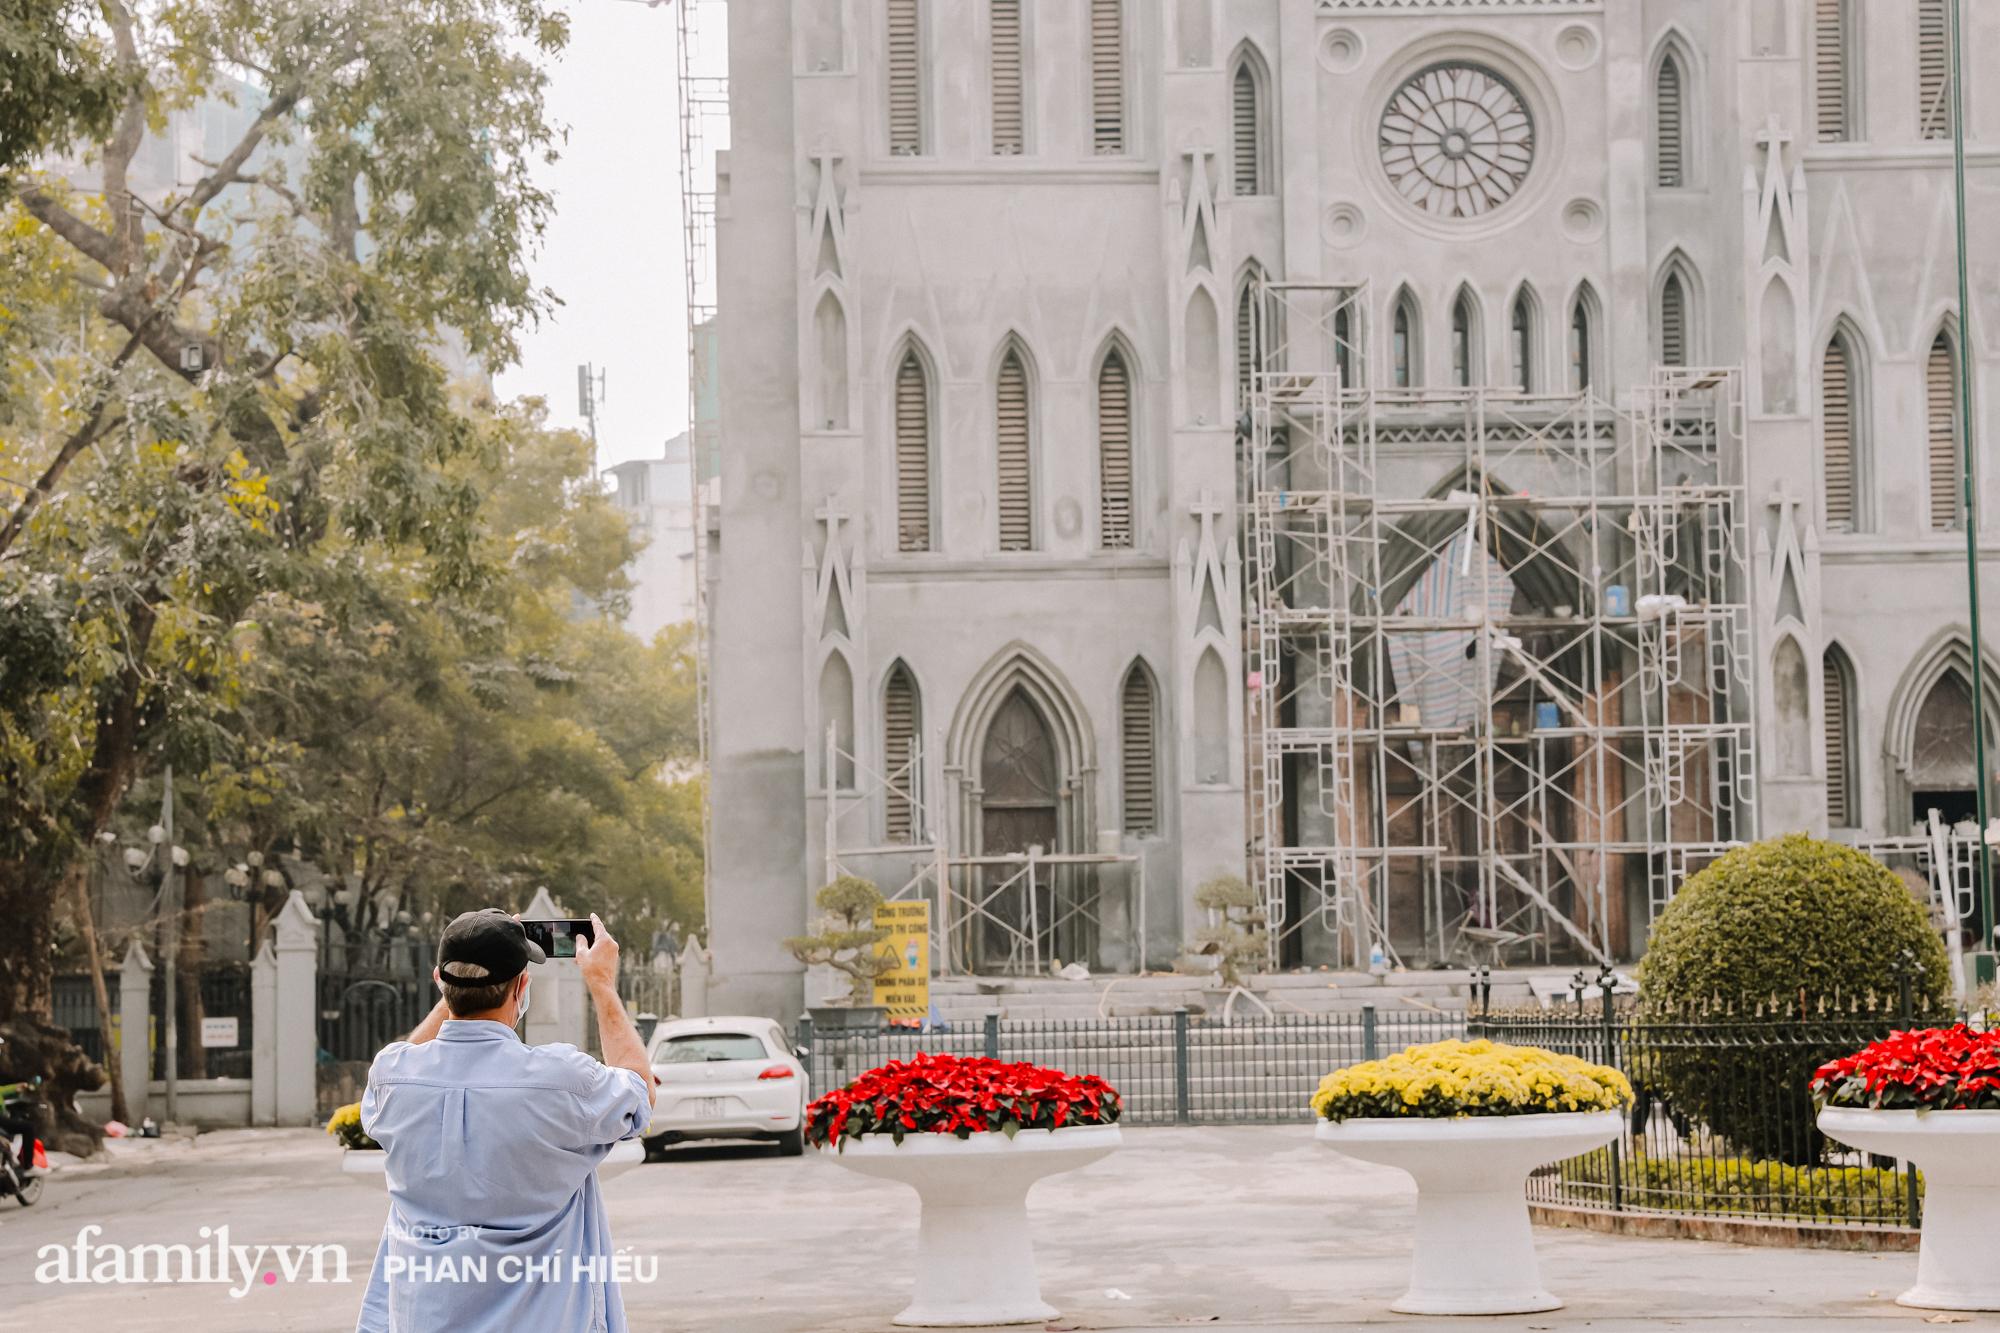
<point x="73" y="1005"/>
<point x="650" y="995"/>
<point x="1178" y="1068"/>
<point x="358" y="1015"/>
<point x="1723" y="1124"/>
<point x="224" y="988"/>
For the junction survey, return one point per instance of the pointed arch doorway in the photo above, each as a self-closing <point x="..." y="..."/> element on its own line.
<point x="1020" y="795"/>
<point x="1942" y="774"/>
<point x="1020" y="787"/>
<point x="1022" y="764"/>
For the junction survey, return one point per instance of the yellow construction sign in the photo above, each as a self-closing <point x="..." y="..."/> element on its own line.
<point x="905" y="991"/>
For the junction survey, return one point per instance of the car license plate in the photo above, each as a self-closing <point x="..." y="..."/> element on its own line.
<point x="709" y="1108"/>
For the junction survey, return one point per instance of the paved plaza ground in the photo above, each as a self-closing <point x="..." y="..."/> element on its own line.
<point x="1237" y="1228"/>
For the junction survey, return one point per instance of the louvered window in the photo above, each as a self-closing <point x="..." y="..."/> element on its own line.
<point x="906" y="100"/>
<point x="1403" y="343"/>
<point x="1344" y="359"/>
<point x="1836" y="379"/>
<point x="1933" y="69"/>
<point x="1832" y="105"/>
<point x="1114" y="451"/>
<point x="1941" y="431"/>
<point x="1139" y="749"/>
<point x="913" y="456"/>
<point x="1107" y="76"/>
<point x="1670" y="124"/>
<point x="1009" y="129"/>
<point x="1673" y="322"/>
<point x="1246" y="131"/>
<point x="1837" y="693"/>
<point x="1579" y="346"/>
<point x="1016" y="493"/>
<point x="900" y="720"/>
<point x="1461" y="342"/>
<point x="1248" y="350"/>
<point x="1522" y="344"/>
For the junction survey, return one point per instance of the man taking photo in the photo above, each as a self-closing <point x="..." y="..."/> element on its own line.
<point x="495" y="1216"/>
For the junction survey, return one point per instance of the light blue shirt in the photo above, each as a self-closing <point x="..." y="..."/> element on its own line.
<point x="496" y="1221"/>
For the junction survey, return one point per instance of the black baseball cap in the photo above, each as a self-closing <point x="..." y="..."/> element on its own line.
<point x="490" y="938"/>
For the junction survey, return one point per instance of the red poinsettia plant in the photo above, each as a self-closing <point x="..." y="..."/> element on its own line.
<point x="1942" y="1069"/>
<point x="958" y="1095"/>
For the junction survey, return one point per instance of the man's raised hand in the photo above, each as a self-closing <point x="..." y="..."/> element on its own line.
<point x="597" y="958"/>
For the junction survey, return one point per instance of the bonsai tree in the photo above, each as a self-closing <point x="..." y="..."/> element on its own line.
<point x="1238" y="937"/>
<point x="848" y="936"/>
<point x="1790" y="927"/>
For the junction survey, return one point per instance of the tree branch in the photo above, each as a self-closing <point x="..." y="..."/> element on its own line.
<point x="225" y="172"/>
<point x="124" y="142"/>
<point x="93" y="429"/>
<point x="80" y="234"/>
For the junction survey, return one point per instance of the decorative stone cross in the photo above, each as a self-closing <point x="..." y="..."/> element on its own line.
<point x="1207" y="511"/>
<point x="832" y="515"/>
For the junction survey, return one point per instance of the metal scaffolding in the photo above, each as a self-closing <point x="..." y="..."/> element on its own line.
<point x="1498" y="642"/>
<point x="1012" y="915"/>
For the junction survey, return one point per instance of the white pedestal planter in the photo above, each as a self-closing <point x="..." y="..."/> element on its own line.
<point x="624" y="1155"/>
<point x="365" y="1166"/>
<point x="1475" y="1253"/>
<point x="1959" y="1154"/>
<point x="975" y="1264"/>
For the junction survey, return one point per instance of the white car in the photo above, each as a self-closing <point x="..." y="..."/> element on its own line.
<point x="727" y="1078"/>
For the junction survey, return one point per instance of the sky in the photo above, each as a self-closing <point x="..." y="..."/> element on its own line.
<point x="612" y="252"/>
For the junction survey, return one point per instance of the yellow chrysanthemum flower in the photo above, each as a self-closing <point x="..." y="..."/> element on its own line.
<point x="1456" y="1078"/>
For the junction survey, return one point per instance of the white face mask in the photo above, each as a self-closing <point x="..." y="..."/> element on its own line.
<point x="527" y="994"/>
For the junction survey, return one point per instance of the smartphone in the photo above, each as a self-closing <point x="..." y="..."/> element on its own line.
<point x="557" y="939"/>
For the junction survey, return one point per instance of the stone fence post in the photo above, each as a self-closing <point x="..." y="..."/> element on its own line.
<point x="557" y="1004"/>
<point x="264" y="1036"/>
<point x="695" y="966"/>
<point x="135" y="1029"/>
<point x="295" y="1015"/>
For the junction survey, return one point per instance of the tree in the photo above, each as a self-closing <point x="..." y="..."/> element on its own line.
<point x="848" y="940"/>
<point x="1787" y="929"/>
<point x="59" y="79"/>
<point x="232" y="392"/>
<point x="443" y="753"/>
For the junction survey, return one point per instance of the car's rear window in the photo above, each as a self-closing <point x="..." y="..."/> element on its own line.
<point x="696" y="1047"/>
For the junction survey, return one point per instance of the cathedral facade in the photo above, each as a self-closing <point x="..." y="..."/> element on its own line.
<point x="1005" y="294"/>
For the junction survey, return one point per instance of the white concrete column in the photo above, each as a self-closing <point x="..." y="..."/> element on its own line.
<point x="135" y="1029"/>
<point x="295" y="1030"/>
<point x="264" y="1036"/>
<point x="695" y="964"/>
<point x="558" y="1010"/>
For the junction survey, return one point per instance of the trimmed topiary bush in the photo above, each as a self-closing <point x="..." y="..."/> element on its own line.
<point x="1794" y="928"/>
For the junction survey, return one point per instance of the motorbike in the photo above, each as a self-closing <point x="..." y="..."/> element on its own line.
<point x="23" y="1181"/>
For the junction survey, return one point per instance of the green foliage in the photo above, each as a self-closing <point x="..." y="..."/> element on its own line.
<point x="1744" y="1186"/>
<point x="1239" y="937"/>
<point x="456" y="751"/>
<point x="250" y="526"/>
<point x="58" y="83"/>
<point x="848" y="937"/>
<point x="851" y="900"/>
<point x="1788" y="926"/>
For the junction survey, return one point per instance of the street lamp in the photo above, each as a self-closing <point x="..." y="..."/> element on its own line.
<point x="1984" y="962"/>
